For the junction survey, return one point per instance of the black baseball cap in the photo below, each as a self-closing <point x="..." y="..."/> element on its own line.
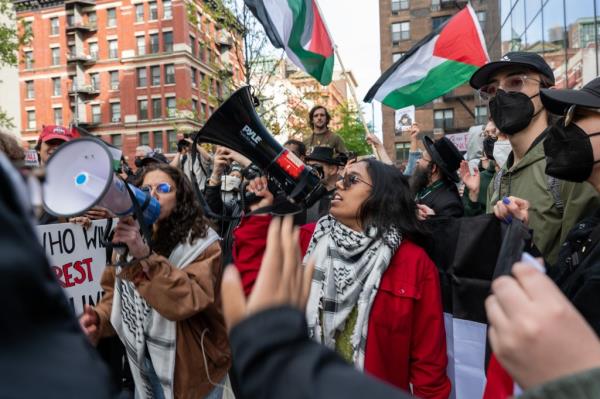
<point x="558" y="101"/>
<point x="533" y="61"/>
<point x="154" y="157"/>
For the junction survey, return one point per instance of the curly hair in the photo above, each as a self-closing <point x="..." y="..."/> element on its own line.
<point x="187" y="218"/>
<point x="10" y="146"/>
<point x="312" y="113"/>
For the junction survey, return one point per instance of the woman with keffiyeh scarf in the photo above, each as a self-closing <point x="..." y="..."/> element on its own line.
<point x="375" y="295"/>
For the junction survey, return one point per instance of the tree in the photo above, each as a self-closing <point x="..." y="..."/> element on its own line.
<point x="352" y="130"/>
<point x="11" y="39"/>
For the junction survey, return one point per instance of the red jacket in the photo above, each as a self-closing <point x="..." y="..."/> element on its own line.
<point x="406" y="341"/>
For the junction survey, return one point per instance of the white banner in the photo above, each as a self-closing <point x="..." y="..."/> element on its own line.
<point x="460" y="140"/>
<point x="77" y="258"/>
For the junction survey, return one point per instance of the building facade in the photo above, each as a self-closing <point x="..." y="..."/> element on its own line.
<point x="403" y="23"/>
<point x="565" y="33"/>
<point x="133" y="72"/>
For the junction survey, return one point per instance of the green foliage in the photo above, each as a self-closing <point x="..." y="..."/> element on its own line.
<point x="352" y="130"/>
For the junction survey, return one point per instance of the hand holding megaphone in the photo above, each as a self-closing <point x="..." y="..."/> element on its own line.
<point x="128" y="232"/>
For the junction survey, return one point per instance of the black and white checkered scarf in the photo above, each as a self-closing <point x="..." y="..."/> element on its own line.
<point x="349" y="267"/>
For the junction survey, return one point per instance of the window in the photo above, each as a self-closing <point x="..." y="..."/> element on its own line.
<point x="436" y="22"/>
<point x="171" y="107"/>
<point x="211" y="110"/>
<point x="96" y="115"/>
<point x="202" y="112"/>
<point x="115" y="112"/>
<point x="117" y="140"/>
<point x="156" y="108"/>
<point x="71" y="49"/>
<point x="94" y="50"/>
<point x="70" y="19"/>
<point x="144" y="138"/>
<point x="142" y="79"/>
<point x="397" y="56"/>
<point x="481" y="16"/>
<point x="443" y="118"/>
<point x="402" y="150"/>
<point x="95" y="81"/>
<point x="56" y="86"/>
<point x="398" y="5"/>
<point x="29" y="89"/>
<point x="168" y="41"/>
<point x="169" y="74"/>
<point x="193" y="46"/>
<point x="113" y="49"/>
<point x="195" y="106"/>
<point x="219" y="89"/>
<point x="54" y="26"/>
<point x="167" y="9"/>
<point x="92" y="18"/>
<point x="139" y="12"/>
<point x="111" y="17"/>
<point x="194" y="77"/>
<point x="141" y="45"/>
<point x="58" y="119"/>
<point x="142" y="110"/>
<point x="55" y="56"/>
<point x="158" y="139"/>
<point x="481" y="115"/>
<point x="172" y="140"/>
<point x="155" y="75"/>
<point x="154" y="43"/>
<point x="153" y="10"/>
<point x="31" y="120"/>
<point x="435" y="5"/>
<point x="114" y="80"/>
<point x="400" y="31"/>
<point x="28" y="59"/>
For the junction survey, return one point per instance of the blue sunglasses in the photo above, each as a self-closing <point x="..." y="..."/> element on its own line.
<point x="161" y="188"/>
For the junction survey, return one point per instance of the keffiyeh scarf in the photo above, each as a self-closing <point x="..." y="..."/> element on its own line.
<point x="349" y="266"/>
<point x="144" y="331"/>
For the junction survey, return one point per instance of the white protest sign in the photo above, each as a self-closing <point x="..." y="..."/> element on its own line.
<point x="404" y="118"/>
<point x="31" y="158"/>
<point x="460" y="140"/>
<point x="77" y="258"/>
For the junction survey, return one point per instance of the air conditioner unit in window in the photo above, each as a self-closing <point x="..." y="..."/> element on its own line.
<point x="116" y="119"/>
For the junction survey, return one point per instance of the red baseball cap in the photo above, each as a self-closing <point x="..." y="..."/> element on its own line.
<point x="57" y="132"/>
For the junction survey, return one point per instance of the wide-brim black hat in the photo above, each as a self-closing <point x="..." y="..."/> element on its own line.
<point x="325" y="155"/>
<point x="558" y="101"/>
<point x="534" y="61"/>
<point x="445" y="154"/>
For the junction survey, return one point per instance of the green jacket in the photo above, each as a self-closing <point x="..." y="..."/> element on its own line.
<point x="584" y="385"/>
<point x="528" y="180"/>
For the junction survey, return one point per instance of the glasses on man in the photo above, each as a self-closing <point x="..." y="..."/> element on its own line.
<point x="512" y="83"/>
<point x="161" y="188"/>
<point x="348" y="180"/>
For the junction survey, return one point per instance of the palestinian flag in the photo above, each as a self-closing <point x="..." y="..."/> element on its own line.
<point x="297" y="27"/>
<point x="439" y="63"/>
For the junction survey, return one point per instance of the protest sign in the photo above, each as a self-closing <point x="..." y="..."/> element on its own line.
<point x="404" y="118"/>
<point x="77" y="258"/>
<point x="31" y="158"/>
<point x="460" y="140"/>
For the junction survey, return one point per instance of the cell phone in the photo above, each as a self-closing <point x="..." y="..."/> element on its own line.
<point x="533" y="262"/>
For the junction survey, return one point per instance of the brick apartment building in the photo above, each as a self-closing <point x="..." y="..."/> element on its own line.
<point x="130" y="71"/>
<point x="402" y="24"/>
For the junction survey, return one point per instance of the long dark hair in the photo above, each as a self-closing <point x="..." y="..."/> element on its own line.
<point x="390" y="203"/>
<point x="187" y="216"/>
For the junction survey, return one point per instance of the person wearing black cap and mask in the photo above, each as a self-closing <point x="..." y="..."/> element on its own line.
<point x="323" y="160"/>
<point x="434" y="180"/>
<point x="512" y="87"/>
<point x="572" y="149"/>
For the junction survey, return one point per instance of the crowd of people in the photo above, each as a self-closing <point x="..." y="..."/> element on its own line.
<point x="341" y="299"/>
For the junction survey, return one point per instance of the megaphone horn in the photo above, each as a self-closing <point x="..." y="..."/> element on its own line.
<point x="80" y="175"/>
<point x="236" y="125"/>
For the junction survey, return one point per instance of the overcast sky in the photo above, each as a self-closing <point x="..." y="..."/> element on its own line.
<point x="354" y="26"/>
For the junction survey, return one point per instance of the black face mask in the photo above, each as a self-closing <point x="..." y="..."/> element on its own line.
<point x="569" y="152"/>
<point x="138" y="162"/>
<point x="512" y="112"/>
<point x="488" y="147"/>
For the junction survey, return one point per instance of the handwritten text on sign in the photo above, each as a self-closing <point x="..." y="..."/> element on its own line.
<point x="77" y="258"/>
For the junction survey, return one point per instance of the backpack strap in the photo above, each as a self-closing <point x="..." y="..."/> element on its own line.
<point x="554" y="189"/>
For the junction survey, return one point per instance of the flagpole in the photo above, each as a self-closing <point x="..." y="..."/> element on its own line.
<point x="344" y="73"/>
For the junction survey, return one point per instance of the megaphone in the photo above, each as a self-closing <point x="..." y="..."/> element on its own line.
<point x="81" y="175"/>
<point x="236" y="125"/>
